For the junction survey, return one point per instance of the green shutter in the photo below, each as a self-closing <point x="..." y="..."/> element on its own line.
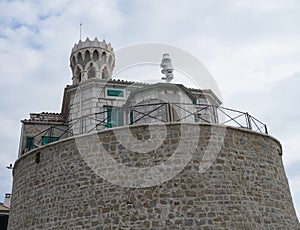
<point x="131" y="117"/>
<point x="115" y="93"/>
<point x="48" y="139"/>
<point x="29" y="143"/>
<point x="120" y="117"/>
<point x="108" y="118"/>
<point x="114" y="117"/>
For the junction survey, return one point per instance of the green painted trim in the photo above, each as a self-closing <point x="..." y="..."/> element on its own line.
<point x="115" y="93"/>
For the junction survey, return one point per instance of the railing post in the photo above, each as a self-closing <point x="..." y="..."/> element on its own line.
<point x="51" y="133"/>
<point x="215" y="114"/>
<point x="248" y="121"/>
<point x="168" y="110"/>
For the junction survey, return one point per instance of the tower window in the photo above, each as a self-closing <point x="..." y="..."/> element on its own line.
<point x="87" y="57"/>
<point x="77" y="75"/>
<point x="91" y="71"/>
<point x="95" y="55"/>
<point x="79" y="58"/>
<point x="110" y="60"/>
<point x="105" y="73"/>
<point x="104" y="56"/>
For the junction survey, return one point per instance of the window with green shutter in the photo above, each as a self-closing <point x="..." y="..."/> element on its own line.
<point x="115" y="92"/>
<point x="29" y="143"/>
<point x="114" y="117"/>
<point x="131" y="117"/>
<point x="48" y="139"/>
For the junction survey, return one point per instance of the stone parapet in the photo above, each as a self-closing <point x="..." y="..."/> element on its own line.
<point x="244" y="187"/>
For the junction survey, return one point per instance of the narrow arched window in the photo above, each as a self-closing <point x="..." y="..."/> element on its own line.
<point x="104" y="56"/>
<point x="95" y="55"/>
<point x="87" y="56"/>
<point x="105" y="73"/>
<point x="79" y="57"/>
<point x="110" y="60"/>
<point x="77" y="74"/>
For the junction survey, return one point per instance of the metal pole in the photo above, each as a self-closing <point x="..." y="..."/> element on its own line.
<point x="80" y="31"/>
<point x="248" y="121"/>
<point x="169" y="117"/>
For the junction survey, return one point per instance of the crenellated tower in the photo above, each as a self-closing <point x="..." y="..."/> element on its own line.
<point x="91" y="59"/>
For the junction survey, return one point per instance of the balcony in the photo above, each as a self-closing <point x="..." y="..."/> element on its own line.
<point x="139" y="114"/>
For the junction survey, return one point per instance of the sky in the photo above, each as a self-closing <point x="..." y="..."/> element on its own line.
<point x="250" y="47"/>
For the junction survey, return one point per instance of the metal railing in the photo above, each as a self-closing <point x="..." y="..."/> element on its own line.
<point x="148" y="113"/>
<point x="248" y="121"/>
<point x="202" y="113"/>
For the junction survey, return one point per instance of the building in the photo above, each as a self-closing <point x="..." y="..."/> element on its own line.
<point x="213" y="175"/>
<point x="95" y="101"/>
<point x="4" y="212"/>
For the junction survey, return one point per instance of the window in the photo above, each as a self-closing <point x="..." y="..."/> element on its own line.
<point x="48" y="139"/>
<point x="114" y="117"/>
<point x="115" y="93"/>
<point x="37" y="157"/>
<point x="29" y="143"/>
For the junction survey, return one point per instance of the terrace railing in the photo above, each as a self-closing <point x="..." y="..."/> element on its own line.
<point x="147" y="113"/>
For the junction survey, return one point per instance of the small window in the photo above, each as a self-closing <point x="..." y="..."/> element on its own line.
<point x="95" y="55"/>
<point x="48" y="139"/>
<point x="37" y="157"/>
<point x="115" y="92"/>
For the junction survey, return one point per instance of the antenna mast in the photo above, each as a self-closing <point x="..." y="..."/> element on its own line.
<point x="167" y="68"/>
<point x="80" y="31"/>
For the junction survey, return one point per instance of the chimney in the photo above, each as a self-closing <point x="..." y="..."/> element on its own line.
<point x="7" y="199"/>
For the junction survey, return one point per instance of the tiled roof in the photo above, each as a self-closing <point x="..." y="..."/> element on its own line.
<point x="4" y="208"/>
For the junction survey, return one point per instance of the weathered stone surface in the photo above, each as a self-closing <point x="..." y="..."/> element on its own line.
<point x="244" y="188"/>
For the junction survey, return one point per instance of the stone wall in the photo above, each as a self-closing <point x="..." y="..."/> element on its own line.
<point x="245" y="187"/>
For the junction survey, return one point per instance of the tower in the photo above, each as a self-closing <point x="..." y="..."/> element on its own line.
<point x="92" y="63"/>
<point x="91" y="59"/>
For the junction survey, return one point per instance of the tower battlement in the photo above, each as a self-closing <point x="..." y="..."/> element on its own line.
<point x="92" y="43"/>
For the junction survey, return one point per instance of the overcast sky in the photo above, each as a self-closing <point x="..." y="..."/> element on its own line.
<point x="251" y="48"/>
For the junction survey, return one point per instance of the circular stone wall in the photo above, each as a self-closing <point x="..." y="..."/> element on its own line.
<point x="244" y="187"/>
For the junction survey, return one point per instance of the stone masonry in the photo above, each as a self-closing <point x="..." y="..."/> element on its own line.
<point x="245" y="187"/>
